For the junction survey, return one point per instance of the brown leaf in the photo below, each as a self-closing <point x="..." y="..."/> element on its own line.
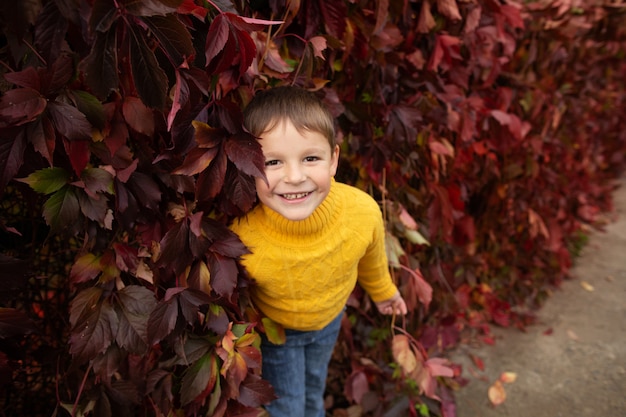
<point x="496" y="393"/>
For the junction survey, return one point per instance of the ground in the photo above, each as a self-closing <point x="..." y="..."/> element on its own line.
<point x="572" y="362"/>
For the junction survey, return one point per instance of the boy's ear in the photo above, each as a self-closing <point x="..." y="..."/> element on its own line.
<point x="335" y="162"/>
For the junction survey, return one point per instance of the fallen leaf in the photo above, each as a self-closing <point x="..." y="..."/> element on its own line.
<point x="610" y="278"/>
<point x="508" y="377"/>
<point x="548" y="332"/>
<point x="572" y="335"/>
<point x="496" y="393"/>
<point x="586" y="285"/>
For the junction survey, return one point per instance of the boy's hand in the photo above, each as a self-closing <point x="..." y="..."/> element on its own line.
<point x="395" y="305"/>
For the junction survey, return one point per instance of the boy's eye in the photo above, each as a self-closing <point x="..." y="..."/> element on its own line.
<point x="311" y="158"/>
<point x="271" y="162"/>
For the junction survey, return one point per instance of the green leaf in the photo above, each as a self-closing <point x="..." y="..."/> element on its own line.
<point x="90" y="106"/>
<point x="275" y="332"/>
<point x="62" y="210"/>
<point x="199" y="379"/>
<point x="47" y="180"/>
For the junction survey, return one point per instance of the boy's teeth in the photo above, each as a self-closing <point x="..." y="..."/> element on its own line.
<point x="294" y="196"/>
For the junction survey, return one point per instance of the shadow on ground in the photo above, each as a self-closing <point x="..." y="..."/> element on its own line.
<point x="573" y="361"/>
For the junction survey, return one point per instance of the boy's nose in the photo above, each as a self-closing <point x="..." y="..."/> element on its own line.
<point x="294" y="173"/>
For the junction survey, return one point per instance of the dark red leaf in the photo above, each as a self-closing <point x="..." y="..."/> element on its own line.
<point x="12" y="147"/>
<point x="217" y="37"/>
<point x="14" y="322"/>
<point x="150" y="79"/>
<point x="175" y="252"/>
<point x="173" y="37"/>
<point x="139" y="117"/>
<point x="245" y="152"/>
<point x="196" y="161"/>
<point x="254" y="391"/>
<point x="240" y="189"/>
<point x="100" y="66"/>
<point x="69" y="121"/>
<point x="42" y="136"/>
<point x="94" y="332"/>
<point x="224" y="274"/>
<point x="50" y="31"/>
<point x="152" y="7"/>
<point x="27" y="78"/>
<point x="19" y="106"/>
<point x="162" y="320"/>
<point x="211" y="181"/>
<point x="93" y="207"/>
<point x="335" y="14"/>
<point x="78" y="151"/>
<point x="189" y="301"/>
<point x="135" y="303"/>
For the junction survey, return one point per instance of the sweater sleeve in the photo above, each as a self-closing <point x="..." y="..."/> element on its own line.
<point x="373" y="273"/>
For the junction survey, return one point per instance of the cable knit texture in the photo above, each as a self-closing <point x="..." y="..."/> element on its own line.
<point x="305" y="270"/>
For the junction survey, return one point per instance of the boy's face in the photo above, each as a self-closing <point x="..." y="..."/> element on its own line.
<point x="299" y="168"/>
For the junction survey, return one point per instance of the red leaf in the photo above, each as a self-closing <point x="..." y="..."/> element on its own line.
<point x="162" y="320"/>
<point x="224" y="274"/>
<point x="211" y="180"/>
<point x="245" y="152"/>
<point x="254" y="391"/>
<point x="12" y="156"/>
<point x="78" y="152"/>
<point x="356" y="386"/>
<point x="173" y="37"/>
<point x="217" y="37"/>
<point x="138" y="116"/>
<point x="27" y="78"/>
<point x="41" y="134"/>
<point x="14" y="322"/>
<point x="19" y="106"/>
<point x="196" y="161"/>
<point x="100" y="66"/>
<point x="150" y="79"/>
<point x="69" y="121"/>
<point x="135" y="303"/>
<point x="95" y="331"/>
<point x="335" y="14"/>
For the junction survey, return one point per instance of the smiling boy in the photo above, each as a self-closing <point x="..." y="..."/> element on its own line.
<point x="311" y="240"/>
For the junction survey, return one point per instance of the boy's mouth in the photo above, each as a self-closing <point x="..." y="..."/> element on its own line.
<point x="294" y="196"/>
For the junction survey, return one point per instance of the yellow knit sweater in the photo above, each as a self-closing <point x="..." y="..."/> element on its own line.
<point x="305" y="270"/>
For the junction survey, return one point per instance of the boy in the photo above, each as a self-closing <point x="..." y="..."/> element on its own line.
<point x="311" y="239"/>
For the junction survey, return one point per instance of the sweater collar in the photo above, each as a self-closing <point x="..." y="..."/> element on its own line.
<point x="323" y="216"/>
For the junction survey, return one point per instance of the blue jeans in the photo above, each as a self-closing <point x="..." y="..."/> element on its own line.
<point x="297" y="370"/>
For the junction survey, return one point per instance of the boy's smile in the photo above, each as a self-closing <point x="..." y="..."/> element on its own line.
<point x="299" y="167"/>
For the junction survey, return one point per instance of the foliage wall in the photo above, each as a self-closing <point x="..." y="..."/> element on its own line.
<point x="489" y="131"/>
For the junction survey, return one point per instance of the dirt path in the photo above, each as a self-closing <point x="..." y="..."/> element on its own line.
<point x="573" y="361"/>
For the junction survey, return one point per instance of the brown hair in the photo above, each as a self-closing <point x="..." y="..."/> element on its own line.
<point x="301" y="107"/>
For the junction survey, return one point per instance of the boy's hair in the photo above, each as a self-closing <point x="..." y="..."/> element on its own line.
<point x="301" y="107"/>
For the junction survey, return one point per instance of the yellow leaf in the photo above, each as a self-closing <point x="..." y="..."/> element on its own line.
<point x="496" y="393"/>
<point x="508" y="377"/>
<point x="403" y="354"/>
